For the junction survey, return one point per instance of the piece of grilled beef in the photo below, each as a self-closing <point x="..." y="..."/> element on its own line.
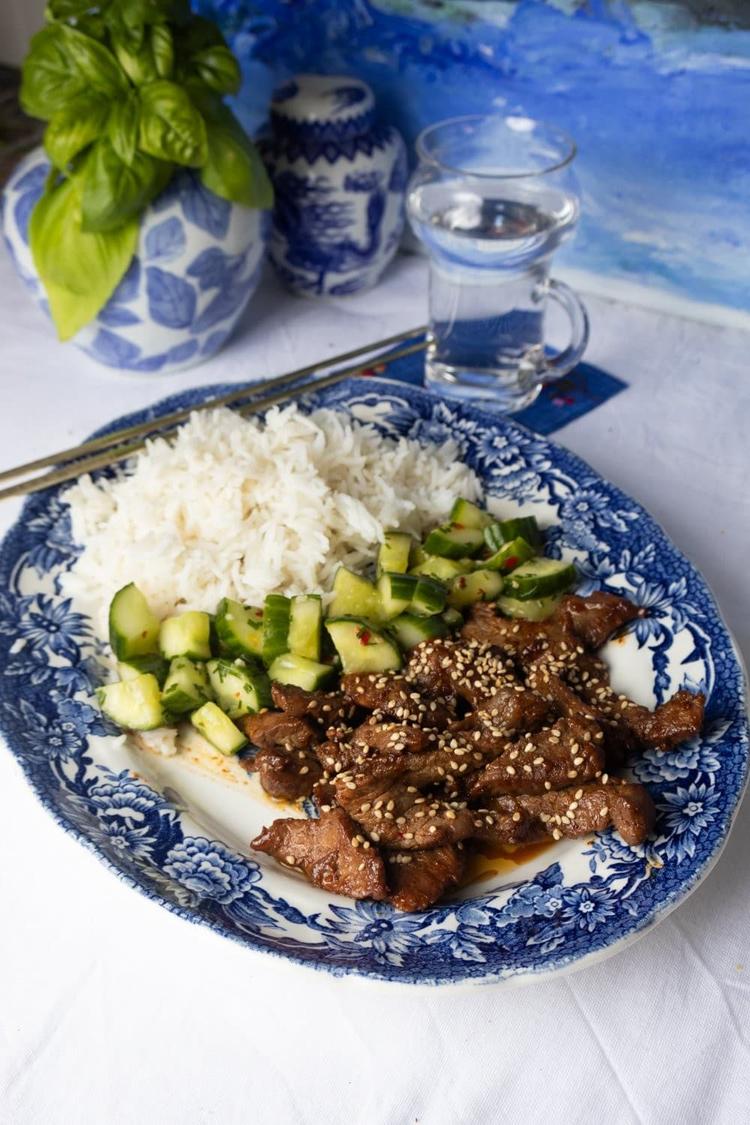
<point x="417" y="879"/>
<point x="624" y="805"/>
<point x="285" y="774"/>
<point x="397" y="698"/>
<point x="587" y="622"/>
<point x="556" y="757"/>
<point x="324" y="708"/>
<point x="465" y="668"/>
<point x="271" y="729"/>
<point x="394" y="812"/>
<point x="331" y="851"/>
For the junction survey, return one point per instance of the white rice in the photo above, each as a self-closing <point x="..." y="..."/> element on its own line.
<point x="238" y="508"/>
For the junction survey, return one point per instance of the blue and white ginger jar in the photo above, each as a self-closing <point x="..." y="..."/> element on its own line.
<point x="197" y="263"/>
<point x="339" y="179"/>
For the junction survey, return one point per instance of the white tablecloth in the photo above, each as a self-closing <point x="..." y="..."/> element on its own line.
<point x="112" y="1011"/>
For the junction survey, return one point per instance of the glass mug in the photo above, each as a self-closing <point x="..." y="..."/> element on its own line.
<point x="491" y="199"/>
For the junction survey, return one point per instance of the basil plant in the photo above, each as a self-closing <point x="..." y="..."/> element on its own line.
<point x="132" y="90"/>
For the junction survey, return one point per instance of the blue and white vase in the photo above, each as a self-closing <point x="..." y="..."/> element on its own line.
<point x="339" y="179"/>
<point x="197" y="263"/>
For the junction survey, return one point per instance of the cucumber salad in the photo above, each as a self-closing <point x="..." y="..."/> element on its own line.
<point x="213" y="669"/>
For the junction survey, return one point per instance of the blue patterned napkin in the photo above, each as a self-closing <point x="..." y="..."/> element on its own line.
<point x="585" y="388"/>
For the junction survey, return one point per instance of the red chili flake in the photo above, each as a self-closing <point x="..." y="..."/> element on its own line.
<point x="512" y="561"/>
<point x="462" y="583"/>
<point x="365" y="636"/>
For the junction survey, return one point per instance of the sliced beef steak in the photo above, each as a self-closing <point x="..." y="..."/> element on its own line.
<point x="396" y="697"/>
<point x="418" y="879"/>
<point x="595" y="618"/>
<point x="331" y="851"/>
<point x="285" y="774"/>
<point x="395" y="813"/>
<point x="465" y="668"/>
<point x="555" y="757"/>
<point x="326" y="708"/>
<point x="269" y="729"/>
<point x="624" y="805"/>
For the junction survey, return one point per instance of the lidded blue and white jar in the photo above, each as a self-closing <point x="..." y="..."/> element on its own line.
<point x="339" y="179"/>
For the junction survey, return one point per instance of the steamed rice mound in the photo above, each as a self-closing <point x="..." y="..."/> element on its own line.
<point x="240" y="508"/>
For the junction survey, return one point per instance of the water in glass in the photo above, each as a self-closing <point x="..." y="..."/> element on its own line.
<point x="490" y="238"/>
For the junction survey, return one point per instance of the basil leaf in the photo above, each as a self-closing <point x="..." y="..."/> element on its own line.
<point x="219" y="69"/>
<point x="79" y="270"/>
<point x="122" y="127"/>
<point x="171" y="128"/>
<point x="234" y="169"/>
<point x="113" y="192"/>
<point x="153" y="59"/>
<point x="74" y="127"/>
<point x="162" y="50"/>
<point x="62" y="64"/>
<point x="128" y="18"/>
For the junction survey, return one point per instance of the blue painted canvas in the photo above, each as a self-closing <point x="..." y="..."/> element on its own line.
<point x="656" y="94"/>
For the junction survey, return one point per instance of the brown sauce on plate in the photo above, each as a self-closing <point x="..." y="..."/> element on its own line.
<point x="489" y="860"/>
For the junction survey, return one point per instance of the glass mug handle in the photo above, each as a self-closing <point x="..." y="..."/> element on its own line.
<point x="556" y="366"/>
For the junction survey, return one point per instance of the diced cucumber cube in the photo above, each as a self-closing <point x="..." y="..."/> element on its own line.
<point x="539" y="578"/>
<point x="238" y="689"/>
<point x="218" y="729"/>
<point x="509" y="556"/>
<point x="186" y="687"/>
<point x="239" y="628"/>
<point x="305" y="625"/>
<point x="133" y="704"/>
<point x="466" y="514"/>
<point x="410" y="630"/>
<point x="394" y="553"/>
<point x="139" y="665"/>
<point x="133" y="628"/>
<point x="533" y="609"/>
<point x="443" y="569"/>
<point x="294" y="669"/>
<point x="361" y="647"/>
<point x="454" y="542"/>
<point x="480" y="586"/>
<point x="276" y="614"/>
<point x="503" y="531"/>
<point x="353" y="596"/>
<point x="429" y="597"/>
<point x="187" y="634"/>
<point x="395" y="592"/>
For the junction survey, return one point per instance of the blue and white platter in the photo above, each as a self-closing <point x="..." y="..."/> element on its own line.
<point x="177" y="828"/>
